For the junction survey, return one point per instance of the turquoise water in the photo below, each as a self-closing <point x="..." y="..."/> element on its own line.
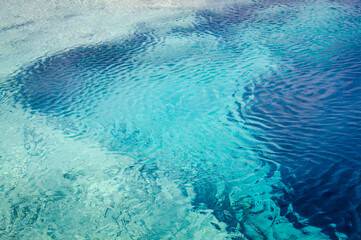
<point x="184" y="133"/>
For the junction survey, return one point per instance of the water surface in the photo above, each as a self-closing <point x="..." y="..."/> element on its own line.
<point x="244" y="124"/>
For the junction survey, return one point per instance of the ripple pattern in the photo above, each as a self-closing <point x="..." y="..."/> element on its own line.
<point x="250" y="118"/>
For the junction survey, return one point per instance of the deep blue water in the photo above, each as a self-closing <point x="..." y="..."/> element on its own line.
<point x="312" y="125"/>
<point x="275" y="85"/>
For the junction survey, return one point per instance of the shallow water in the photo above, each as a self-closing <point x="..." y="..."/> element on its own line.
<point x="241" y="125"/>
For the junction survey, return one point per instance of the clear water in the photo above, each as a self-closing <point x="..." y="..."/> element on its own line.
<point x="244" y="124"/>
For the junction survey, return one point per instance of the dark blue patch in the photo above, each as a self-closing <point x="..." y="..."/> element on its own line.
<point x="52" y="84"/>
<point x="313" y="119"/>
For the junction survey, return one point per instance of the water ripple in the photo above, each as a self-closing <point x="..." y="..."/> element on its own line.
<point x="218" y="109"/>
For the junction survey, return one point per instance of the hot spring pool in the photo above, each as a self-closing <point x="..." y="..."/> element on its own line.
<point x="243" y="124"/>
